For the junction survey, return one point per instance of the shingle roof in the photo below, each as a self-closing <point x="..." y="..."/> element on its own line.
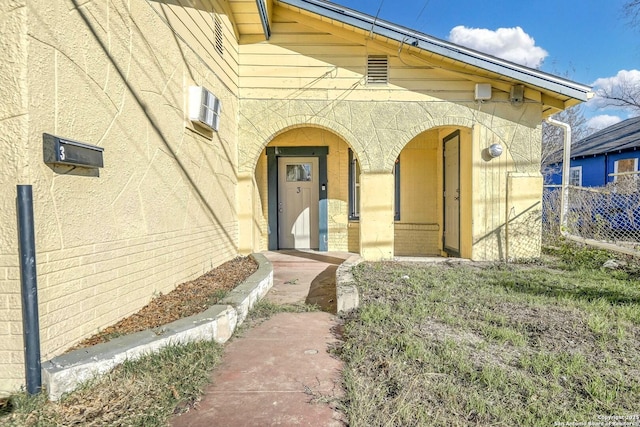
<point x="621" y="136"/>
<point x="446" y="49"/>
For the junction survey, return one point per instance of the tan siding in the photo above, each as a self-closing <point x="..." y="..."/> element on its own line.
<point x="349" y="61"/>
<point x="327" y="62"/>
<point x="195" y="26"/>
<point x="299" y="56"/>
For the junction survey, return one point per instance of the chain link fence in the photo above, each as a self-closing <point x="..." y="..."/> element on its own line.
<point x="606" y="217"/>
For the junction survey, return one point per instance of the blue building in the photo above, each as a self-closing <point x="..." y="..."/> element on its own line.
<point x="601" y="157"/>
<point x="607" y="156"/>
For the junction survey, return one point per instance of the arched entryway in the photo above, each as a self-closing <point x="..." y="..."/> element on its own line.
<point x="434" y="202"/>
<point x="301" y="177"/>
<point x="297" y="197"/>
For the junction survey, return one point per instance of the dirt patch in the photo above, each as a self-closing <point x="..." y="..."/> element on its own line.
<point x="185" y="300"/>
<point x="554" y="328"/>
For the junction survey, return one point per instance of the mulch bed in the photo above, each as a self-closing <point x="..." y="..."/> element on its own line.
<point x="185" y="300"/>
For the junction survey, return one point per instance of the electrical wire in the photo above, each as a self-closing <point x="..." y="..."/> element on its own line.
<point x="373" y="24"/>
<point x="379" y="9"/>
<point x="426" y="3"/>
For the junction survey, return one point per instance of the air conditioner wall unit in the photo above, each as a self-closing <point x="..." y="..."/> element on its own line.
<point x="204" y="107"/>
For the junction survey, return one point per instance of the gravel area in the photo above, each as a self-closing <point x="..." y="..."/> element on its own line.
<point x="185" y="300"/>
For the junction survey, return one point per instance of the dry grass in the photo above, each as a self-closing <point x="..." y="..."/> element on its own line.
<point x="146" y="392"/>
<point x="492" y="344"/>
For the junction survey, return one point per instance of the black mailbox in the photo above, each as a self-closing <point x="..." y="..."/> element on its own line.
<point x="67" y="152"/>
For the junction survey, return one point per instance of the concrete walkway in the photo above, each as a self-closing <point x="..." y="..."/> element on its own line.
<point x="278" y="372"/>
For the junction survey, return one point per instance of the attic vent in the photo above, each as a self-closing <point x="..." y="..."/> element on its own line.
<point x="377" y="69"/>
<point x="217" y="31"/>
<point x="204" y="107"/>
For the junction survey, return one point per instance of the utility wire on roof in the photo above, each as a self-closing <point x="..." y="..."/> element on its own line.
<point x="426" y="3"/>
<point x="373" y="24"/>
<point x="446" y="49"/>
<point x="415" y="25"/>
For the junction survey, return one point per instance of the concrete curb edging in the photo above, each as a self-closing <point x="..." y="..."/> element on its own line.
<point x="65" y="373"/>
<point x="252" y="290"/>
<point x="346" y="289"/>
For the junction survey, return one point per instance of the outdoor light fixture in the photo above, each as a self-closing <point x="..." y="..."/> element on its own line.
<point x="495" y="150"/>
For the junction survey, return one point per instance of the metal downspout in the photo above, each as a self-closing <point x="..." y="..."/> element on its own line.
<point x="566" y="166"/>
<point x="29" y="282"/>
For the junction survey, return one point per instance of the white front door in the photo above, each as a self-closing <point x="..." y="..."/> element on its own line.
<point x="298" y="199"/>
<point x="452" y="194"/>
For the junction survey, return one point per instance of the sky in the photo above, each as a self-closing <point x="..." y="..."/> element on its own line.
<point x="587" y="41"/>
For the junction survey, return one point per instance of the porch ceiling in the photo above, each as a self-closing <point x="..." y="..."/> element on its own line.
<point x="247" y="17"/>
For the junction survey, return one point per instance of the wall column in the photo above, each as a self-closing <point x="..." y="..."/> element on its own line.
<point x="245" y="213"/>
<point x="376" y="216"/>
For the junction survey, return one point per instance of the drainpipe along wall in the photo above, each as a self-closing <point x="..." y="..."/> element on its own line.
<point x="28" y="279"/>
<point x="566" y="165"/>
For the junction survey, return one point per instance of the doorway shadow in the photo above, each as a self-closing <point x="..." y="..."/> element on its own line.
<point x="316" y="256"/>
<point x="322" y="291"/>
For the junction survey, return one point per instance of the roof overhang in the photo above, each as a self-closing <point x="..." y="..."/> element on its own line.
<point x="557" y="93"/>
<point x="252" y="17"/>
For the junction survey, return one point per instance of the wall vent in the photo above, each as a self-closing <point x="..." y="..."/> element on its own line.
<point x="204" y="107"/>
<point x="377" y="69"/>
<point x="218" y="34"/>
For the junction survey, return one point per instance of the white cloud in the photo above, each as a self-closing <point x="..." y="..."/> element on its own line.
<point x="623" y="76"/>
<point x="512" y="44"/>
<point x="623" y="82"/>
<point x="596" y="123"/>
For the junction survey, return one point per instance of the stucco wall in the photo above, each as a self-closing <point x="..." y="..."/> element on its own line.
<point x="13" y="131"/>
<point x="162" y="210"/>
<point x="172" y="200"/>
<point x="313" y="73"/>
<point x="379" y="131"/>
<point x="489" y="187"/>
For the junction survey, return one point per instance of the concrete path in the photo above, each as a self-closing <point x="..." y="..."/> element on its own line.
<point x="278" y="372"/>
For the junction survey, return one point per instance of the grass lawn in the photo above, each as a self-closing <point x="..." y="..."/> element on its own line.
<point x="494" y="344"/>
<point x="145" y="392"/>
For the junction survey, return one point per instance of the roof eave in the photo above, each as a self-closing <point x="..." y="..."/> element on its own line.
<point x="264" y="18"/>
<point x="419" y="40"/>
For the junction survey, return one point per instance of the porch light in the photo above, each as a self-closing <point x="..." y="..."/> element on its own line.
<point x="495" y="150"/>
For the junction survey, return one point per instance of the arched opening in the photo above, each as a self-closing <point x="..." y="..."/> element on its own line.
<point x="433" y="216"/>
<point x="301" y="177"/>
